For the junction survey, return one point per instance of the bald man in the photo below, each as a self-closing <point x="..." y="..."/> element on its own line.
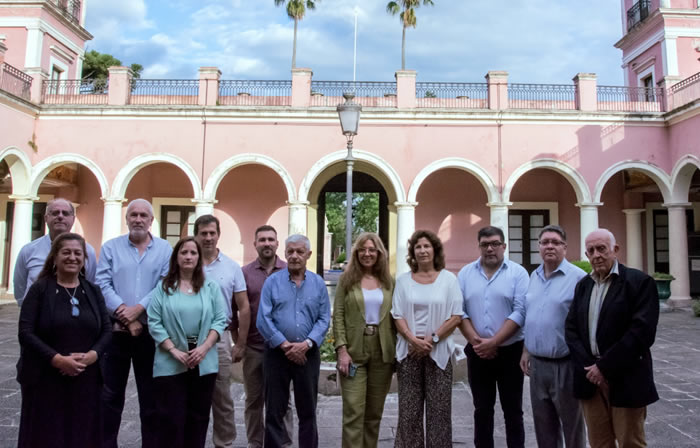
<point x="610" y="329"/>
<point x="59" y="217"/>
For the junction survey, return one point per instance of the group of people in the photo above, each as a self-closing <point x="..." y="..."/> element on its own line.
<point x="584" y="340"/>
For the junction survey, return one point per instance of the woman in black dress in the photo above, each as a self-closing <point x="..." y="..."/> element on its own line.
<point x="63" y="330"/>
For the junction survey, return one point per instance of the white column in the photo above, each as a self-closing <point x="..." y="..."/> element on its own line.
<point x="589" y="222"/>
<point x="35" y="40"/>
<point x="678" y="254"/>
<point x="21" y="231"/>
<point x="499" y="218"/>
<point x="112" y="218"/>
<point x="633" y="220"/>
<point x="203" y="207"/>
<point x="405" y="226"/>
<point x="298" y="217"/>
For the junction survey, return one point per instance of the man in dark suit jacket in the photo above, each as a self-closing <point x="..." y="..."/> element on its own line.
<point x="610" y="327"/>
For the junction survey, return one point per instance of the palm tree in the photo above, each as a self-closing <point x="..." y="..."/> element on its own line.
<point x="296" y="9"/>
<point x="407" y="17"/>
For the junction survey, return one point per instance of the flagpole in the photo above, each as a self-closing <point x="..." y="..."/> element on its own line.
<point x="354" y="59"/>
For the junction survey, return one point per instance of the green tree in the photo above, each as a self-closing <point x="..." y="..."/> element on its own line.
<point x="406" y="9"/>
<point x="96" y="66"/>
<point x="364" y="216"/>
<point x="296" y="9"/>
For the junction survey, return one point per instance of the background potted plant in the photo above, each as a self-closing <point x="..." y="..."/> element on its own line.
<point x="663" y="284"/>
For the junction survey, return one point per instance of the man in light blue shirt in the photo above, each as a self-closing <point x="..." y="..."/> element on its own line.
<point x="293" y="318"/>
<point x="556" y="412"/>
<point x="229" y="276"/>
<point x="130" y="267"/>
<point x="59" y="217"/>
<point x="494" y="293"/>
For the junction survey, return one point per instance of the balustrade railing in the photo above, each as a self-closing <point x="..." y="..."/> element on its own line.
<point x="150" y="92"/>
<point x="542" y="96"/>
<point x="637" y="13"/>
<point x="684" y="92"/>
<point x="75" y="91"/>
<point x="15" y="81"/>
<point x="367" y="93"/>
<point x="452" y="95"/>
<point x="630" y="99"/>
<point x="255" y="93"/>
<point x="69" y="8"/>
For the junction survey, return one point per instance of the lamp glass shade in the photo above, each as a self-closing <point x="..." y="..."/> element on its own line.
<point x="349" y="114"/>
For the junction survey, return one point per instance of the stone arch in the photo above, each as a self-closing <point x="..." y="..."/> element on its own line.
<point x="121" y="181"/>
<point x="43" y="168"/>
<point x="681" y="177"/>
<point x="577" y="181"/>
<point x="20" y="169"/>
<point x="223" y="169"/>
<point x="659" y="176"/>
<point x="391" y="182"/>
<point x="455" y="162"/>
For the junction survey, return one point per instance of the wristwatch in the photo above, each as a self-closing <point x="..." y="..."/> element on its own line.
<point x="436" y="339"/>
<point x="310" y="343"/>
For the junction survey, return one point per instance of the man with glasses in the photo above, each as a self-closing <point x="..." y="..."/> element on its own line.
<point x="610" y="329"/>
<point x="546" y="359"/>
<point x="59" y="217"/>
<point x="494" y="292"/>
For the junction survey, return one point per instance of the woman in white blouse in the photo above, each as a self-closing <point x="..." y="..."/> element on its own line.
<point x="365" y="340"/>
<point x="427" y="306"/>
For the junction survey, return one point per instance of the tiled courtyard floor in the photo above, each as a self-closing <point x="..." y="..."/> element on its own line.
<point x="674" y="421"/>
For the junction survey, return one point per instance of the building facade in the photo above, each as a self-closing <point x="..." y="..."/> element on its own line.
<point x="450" y="157"/>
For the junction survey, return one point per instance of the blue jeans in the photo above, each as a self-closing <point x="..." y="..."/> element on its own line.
<point x="116" y="363"/>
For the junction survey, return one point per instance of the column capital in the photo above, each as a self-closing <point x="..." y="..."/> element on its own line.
<point x="21" y="197"/>
<point x="633" y="211"/>
<point x="298" y="203"/>
<point x="589" y="204"/>
<point x="113" y="199"/>
<point x="210" y="202"/>
<point x="499" y="204"/>
<point x="677" y="205"/>
<point x="405" y="205"/>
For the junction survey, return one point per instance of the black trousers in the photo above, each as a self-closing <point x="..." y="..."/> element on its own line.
<point x="502" y="373"/>
<point x="278" y="372"/>
<point x="116" y="363"/>
<point x="183" y="403"/>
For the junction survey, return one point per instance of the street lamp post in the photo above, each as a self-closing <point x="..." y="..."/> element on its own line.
<point x="349" y="114"/>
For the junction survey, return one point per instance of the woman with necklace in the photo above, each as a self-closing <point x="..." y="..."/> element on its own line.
<point x="186" y="317"/>
<point x="63" y="330"/>
<point x="365" y="340"/>
<point x="427" y="307"/>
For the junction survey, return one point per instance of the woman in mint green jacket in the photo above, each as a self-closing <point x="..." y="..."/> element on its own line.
<point x="186" y="317"/>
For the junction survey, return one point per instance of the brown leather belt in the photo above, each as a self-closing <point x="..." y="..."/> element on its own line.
<point x="371" y="330"/>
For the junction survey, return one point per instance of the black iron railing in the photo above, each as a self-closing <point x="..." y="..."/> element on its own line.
<point x="367" y="93"/>
<point x="630" y="99"/>
<point x="637" y="13"/>
<point x="69" y="8"/>
<point x="149" y="92"/>
<point x="255" y="93"/>
<point x="453" y="95"/>
<point x="15" y="81"/>
<point x="542" y="96"/>
<point x="75" y="91"/>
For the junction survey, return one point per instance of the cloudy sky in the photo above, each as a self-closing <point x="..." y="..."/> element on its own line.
<point x="538" y="41"/>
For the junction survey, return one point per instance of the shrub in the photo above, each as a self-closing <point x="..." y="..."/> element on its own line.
<point x="696" y="308"/>
<point x="328" y="348"/>
<point x="341" y="258"/>
<point x="583" y="264"/>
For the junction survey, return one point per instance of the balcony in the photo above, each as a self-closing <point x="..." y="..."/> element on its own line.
<point x="70" y="9"/>
<point x="637" y="13"/>
<point x="15" y="81"/>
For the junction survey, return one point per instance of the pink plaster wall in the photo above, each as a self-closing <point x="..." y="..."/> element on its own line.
<point x="654" y="51"/>
<point x="688" y="56"/>
<point x="610" y="214"/>
<point x="544" y="185"/>
<point x="90" y="212"/>
<point x="47" y="53"/>
<point x="250" y="196"/>
<point x="684" y="138"/>
<point x="452" y="203"/>
<point x="685" y="4"/>
<point x="17" y="134"/>
<point x="16" y="43"/>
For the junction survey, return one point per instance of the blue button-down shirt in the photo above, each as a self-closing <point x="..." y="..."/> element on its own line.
<point x="30" y="262"/>
<point x="229" y="276"/>
<point x="546" y="307"/>
<point x="489" y="302"/>
<point x="127" y="277"/>
<point x="293" y="313"/>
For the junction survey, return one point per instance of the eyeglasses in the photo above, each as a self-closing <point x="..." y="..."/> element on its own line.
<point x="74" y="310"/>
<point x="492" y="244"/>
<point x="555" y="243"/>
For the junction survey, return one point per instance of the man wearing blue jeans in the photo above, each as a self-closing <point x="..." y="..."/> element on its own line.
<point x="129" y="268"/>
<point x="293" y="318"/>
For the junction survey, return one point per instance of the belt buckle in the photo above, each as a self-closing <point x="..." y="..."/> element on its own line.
<point x="370" y="330"/>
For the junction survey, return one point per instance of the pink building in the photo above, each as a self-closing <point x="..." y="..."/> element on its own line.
<point x="451" y="157"/>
